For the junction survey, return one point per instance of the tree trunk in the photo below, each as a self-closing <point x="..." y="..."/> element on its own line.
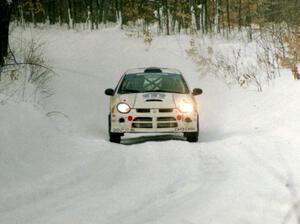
<point x="70" y="15"/>
<point x="217" y="16"/>
<point x="101" y="5"/>
<point x="174" y="17"/>
<point x="52" y="12"/>
<point x="228" y="16"/>
<point x="249" y="21"/>
<point x="202" y="19"/>
<point x="33" y="18"/>
<point x="5" y="14"/>
<point x="104" y="11"/>
<point x="117" y="14"/>
<point x="97" y="20"/>
<point x="91" y="15"/>
<point x="121" y="20"/>
<point x="206" y="16"/>
<point x="240" y="15"/>
<point x="60" y="20"/>
<point x="166" y="12"/>
<point x="21" y="12"/>
<point x="160" y="28"/>
<point x="197" y="14"/>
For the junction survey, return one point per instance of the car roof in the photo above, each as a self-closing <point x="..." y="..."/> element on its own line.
<point x="153" y="70"/>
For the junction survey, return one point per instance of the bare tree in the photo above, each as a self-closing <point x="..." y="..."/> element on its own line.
<point x="5" y="15"/>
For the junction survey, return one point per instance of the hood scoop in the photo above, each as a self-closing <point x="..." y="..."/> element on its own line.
<point x="154" y="100"/>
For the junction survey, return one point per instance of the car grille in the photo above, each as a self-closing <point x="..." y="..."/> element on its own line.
<point x="166" y="122"/>
<point x="165" y="110"/>
<point x="143" y="119"/>
<point x="156" y="122"/>
<point x="143" y="110"/>
<point x="147" y="110"/>
<point x="142" y="122"/>
<point x="167" y="125"/>
<point x="142" y="125"/>
<point x="166" y="119"/>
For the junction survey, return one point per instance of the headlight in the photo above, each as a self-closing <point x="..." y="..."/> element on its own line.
<point x="186" y="107"/>
<point x="123" y="108"/>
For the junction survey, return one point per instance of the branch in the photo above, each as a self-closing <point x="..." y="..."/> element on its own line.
<point x="12" y="53"/>
<point x="28" y="63"/>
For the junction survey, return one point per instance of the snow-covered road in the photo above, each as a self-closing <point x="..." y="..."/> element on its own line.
<point x="63" y="170"/>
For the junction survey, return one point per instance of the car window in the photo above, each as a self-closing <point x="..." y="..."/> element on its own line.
<point x="156" y="82"/>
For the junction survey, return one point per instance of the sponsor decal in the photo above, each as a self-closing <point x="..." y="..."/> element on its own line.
<point x="154" y="95"/>
<point x="121" y="129"/>
<point x="185" y="129"/>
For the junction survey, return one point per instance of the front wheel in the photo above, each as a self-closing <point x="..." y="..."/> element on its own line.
<point x="191" y="136"/>
<point x="113" y="137"/>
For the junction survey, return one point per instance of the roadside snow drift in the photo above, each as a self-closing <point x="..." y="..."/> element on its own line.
<point x="57" y="166"/>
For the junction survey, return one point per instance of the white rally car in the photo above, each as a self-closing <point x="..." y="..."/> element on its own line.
<point x="153" y="100"/>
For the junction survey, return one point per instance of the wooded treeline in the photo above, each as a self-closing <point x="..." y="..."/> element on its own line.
<point x="170" y="15"/>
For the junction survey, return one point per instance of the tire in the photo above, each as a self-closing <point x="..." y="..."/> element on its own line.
<point x="193" y="136"/>
<point x="113" y="137"/>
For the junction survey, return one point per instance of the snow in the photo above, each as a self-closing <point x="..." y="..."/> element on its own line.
<point x="61" y="168"/>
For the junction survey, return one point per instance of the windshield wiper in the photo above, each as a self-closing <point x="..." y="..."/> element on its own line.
<point x="155" y="91"/>
<point x="129" y="91"/>
<point x="176" y="92"/>
<point x="163" y="91"/>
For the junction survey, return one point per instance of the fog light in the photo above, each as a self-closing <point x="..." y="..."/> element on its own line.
<point x="188" y="120"/>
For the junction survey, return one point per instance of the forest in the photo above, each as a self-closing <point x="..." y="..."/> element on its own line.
<point x="170" y="15"/>
<point x="278" y="18"/>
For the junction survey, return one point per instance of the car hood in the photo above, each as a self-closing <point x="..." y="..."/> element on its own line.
<point x="155" y="99"/>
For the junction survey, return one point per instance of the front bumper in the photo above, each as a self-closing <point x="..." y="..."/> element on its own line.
<point x="154" y="121"/>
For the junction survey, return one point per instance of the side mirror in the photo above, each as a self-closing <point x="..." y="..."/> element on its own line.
<point x="109" y="92"/>
<point x="197" y="91"/>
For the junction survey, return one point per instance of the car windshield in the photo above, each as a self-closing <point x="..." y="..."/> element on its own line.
<point x="153" y="82"/>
